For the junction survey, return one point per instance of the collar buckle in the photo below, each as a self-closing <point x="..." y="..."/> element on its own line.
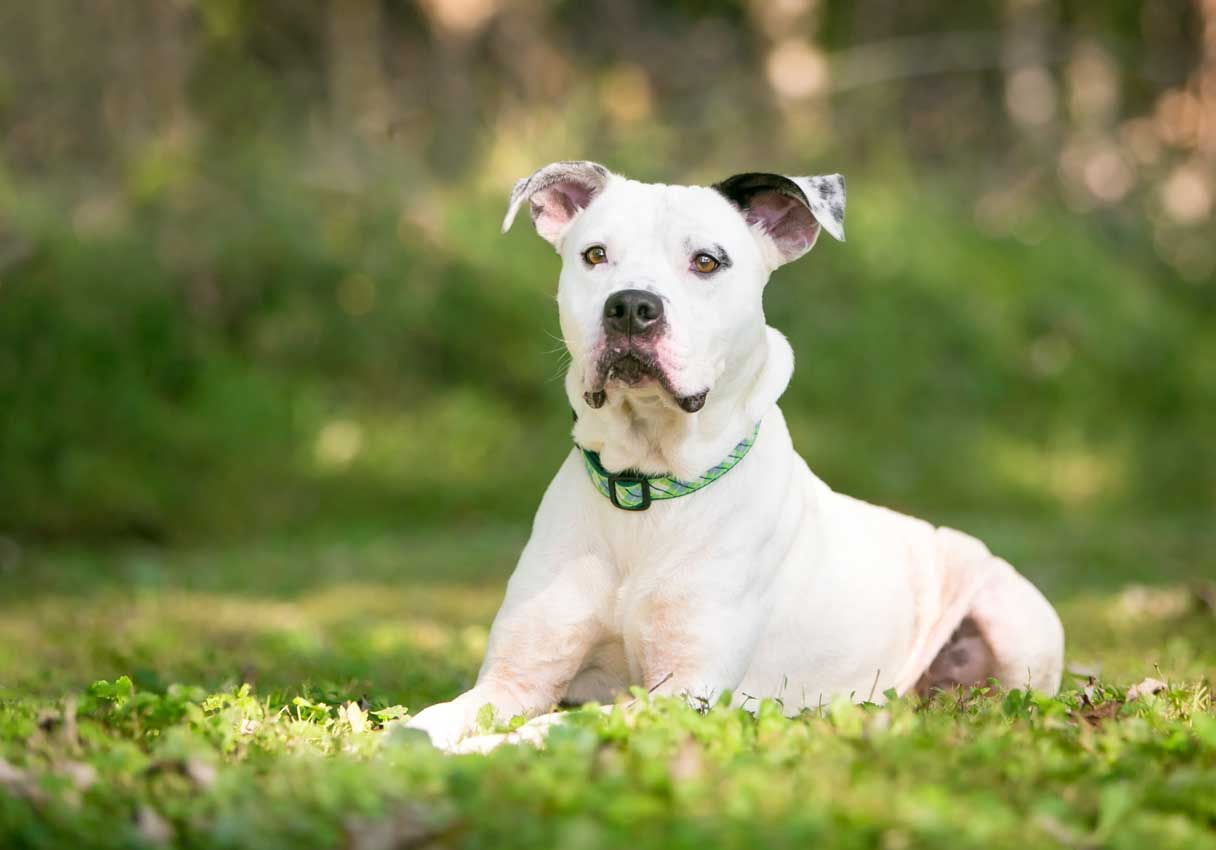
<point x="626" y="479"/>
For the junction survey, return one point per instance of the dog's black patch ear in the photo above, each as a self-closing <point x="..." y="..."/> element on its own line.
<point x="789" y="210"/>
<point x="556" y="194"/>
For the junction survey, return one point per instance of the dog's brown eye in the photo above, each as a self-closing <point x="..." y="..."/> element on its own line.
<point x="705" y="263"/>
<point x="595" y="255"/>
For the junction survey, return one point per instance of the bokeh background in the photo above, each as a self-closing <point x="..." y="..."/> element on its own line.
<point x="251" y="280"/>
<point x="278" y="401"/>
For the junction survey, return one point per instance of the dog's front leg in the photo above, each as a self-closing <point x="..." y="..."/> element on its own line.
<point x="697" y="646"/>
<point x="549" y="620"/>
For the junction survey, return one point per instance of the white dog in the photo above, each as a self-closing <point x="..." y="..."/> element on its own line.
<point x="684" y="546"/>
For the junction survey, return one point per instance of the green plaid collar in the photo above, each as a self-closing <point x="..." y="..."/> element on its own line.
<point x="633" y="491"/>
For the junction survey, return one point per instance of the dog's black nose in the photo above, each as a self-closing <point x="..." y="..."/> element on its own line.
<point x="632" y="311"/>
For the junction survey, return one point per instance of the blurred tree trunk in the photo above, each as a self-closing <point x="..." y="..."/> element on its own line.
<point x="121" y="104"/>
<point x="358" y="92"/>
<point x="1206" y="80"/>
<point x="454" y="59"/>
<point x="452" y="143"/>
<point x="149" y="56"/>
<point x="167" y="67"/>
<point x="1030" y="88"/>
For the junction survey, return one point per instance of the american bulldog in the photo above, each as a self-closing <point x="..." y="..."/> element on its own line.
<point x="684" y="546"/>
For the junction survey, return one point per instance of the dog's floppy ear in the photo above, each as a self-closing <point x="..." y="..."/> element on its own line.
<point x="556" y="194"/>
<point x="790" y="211"/>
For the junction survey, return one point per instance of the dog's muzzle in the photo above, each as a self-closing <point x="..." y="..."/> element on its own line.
<point x="633" y="320"/>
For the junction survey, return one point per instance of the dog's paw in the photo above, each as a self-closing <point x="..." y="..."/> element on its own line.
<point x="445" y="723"/>
<point x="533" y="732"/>
<point x="482" y="744"/>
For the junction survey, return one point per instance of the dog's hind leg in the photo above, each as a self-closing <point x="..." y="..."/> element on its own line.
<point x="1023" y="630"/>
<point x="1010" y="631"/>
<point x="966" y="659"/>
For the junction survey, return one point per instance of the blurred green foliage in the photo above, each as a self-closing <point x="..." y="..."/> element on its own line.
<point x="251" y="280"/>
<point x="250" y="351"/>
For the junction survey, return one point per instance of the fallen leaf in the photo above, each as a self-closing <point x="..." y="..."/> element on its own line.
<point x="688" y="763"/>
<point x="1146" y="688"/>
<point x="1059" y="831"/>
<point x="202" y="773"/>
<point x="1087" y="693"/>
<point x="1103" y="711"/>
<point x="152" y="827"/>
<point x="1205" y="593"/>
<point x="408" y="827"/>
<point x="10" y="775"/>
<point x="20" y="783"/>
<point x="356" y="717"/>
<point x="1154" y="603"/>
<point x="877" y="724"/>
<point x="83" y="776"/>
<point x="69" y="732"/>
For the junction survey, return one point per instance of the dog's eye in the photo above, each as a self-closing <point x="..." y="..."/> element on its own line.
<point x="705" y="263"/>
<point x="595" y="255"/>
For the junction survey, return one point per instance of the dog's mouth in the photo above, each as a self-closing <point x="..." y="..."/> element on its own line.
<point x="633" y="368"/>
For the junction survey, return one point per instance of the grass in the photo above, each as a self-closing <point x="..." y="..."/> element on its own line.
<point x="244" y="689"/>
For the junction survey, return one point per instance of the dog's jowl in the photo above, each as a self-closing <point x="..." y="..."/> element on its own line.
<point x="684" y="546"/>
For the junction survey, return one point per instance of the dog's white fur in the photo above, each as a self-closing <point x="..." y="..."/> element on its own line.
<point x="765" y="583"/>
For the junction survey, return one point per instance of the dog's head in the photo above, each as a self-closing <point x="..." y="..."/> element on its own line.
<point x="660" y="289"/>
<point x="661" y="286"/>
